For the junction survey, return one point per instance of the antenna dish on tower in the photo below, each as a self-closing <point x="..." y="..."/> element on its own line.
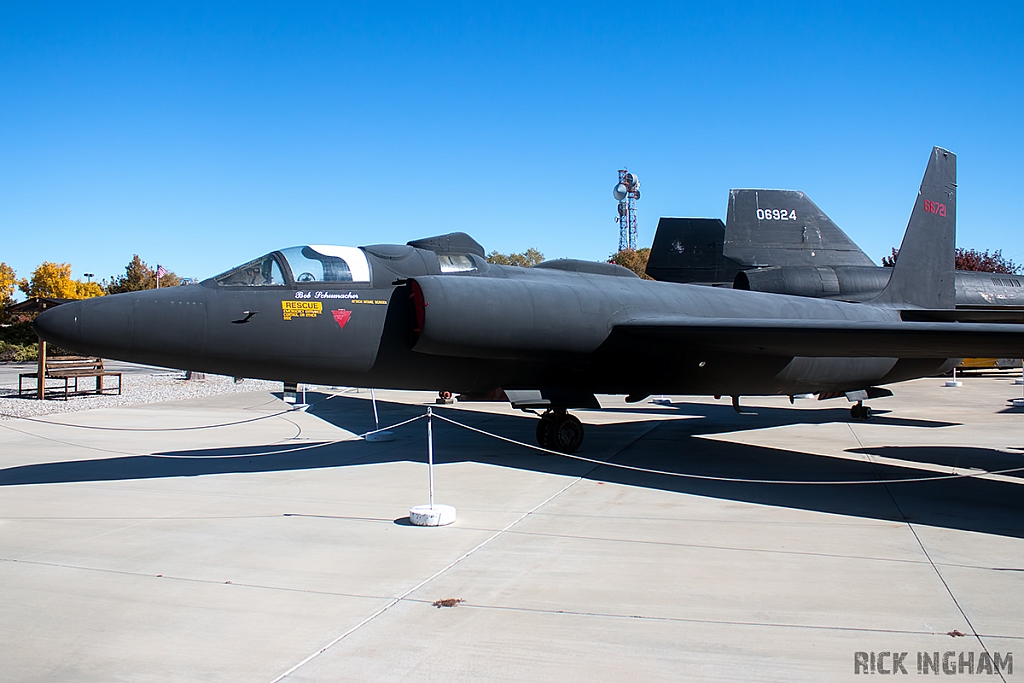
<point x="626" y="192"/>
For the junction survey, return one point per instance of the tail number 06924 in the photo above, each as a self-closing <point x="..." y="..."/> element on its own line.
<point x="776" y="215"/>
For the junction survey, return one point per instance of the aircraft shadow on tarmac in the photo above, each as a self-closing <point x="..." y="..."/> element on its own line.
<point x="755" y="417"/>
<point x="668" y="445"/>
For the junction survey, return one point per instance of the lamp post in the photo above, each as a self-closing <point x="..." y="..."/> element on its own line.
<point x="89" y="275"/>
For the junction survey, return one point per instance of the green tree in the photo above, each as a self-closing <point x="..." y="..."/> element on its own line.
<point x="526" y="259"/>
<point x="634" y="259"/>
<point x="138" y="276"/>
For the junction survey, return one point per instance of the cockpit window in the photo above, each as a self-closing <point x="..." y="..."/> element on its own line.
<point x="260" y="272"/>
<point x="309" y="264"/>
<point x="322" y="263"/>
<point x="455" y="263"/>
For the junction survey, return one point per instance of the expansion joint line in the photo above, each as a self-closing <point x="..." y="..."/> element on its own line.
<point x="394" y="601"/>
<point x="924" y="550"/>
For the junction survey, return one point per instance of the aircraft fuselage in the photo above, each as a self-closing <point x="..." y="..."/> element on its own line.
<point x="493" y="327"/>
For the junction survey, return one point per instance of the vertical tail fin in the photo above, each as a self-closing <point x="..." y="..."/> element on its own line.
<point x="690" y="250"/>
<point x="924" y="275"/>
<point x="785" y="228"/>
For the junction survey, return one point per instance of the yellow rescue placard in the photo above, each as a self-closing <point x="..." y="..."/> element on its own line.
<point x="301" y="309"/>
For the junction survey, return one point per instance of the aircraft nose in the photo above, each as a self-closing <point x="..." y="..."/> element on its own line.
<point x="59" y="325"/>
<point x="95" y="327"/>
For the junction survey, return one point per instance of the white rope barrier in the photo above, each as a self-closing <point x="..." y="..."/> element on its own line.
<point x="579" y="458"/>
<point x="282" y="451"/>
<point x="394" y="426"/>
<point x="733" y="480"/>
<point x="147" y="429"/>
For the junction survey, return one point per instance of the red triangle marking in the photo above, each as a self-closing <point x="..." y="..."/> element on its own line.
<point x="342" y="315"/>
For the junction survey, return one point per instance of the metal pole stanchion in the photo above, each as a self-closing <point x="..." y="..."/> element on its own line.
<point x="302" y="407"/>
<point x="430" y="452"/>
<point x="431" y="514"/>
<point x="1019" y="402"/>
<point x="377" y="435"/>
<point x="376" y="419"/>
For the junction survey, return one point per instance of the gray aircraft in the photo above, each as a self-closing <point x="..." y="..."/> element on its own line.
<point x="780" y="241"/>
<point x="434" y="315"/>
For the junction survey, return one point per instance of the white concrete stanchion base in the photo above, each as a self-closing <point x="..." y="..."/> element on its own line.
<point x="379" y="436"/>
<point x="1018" y="402"/>
<point x="662" y="401"/>
<point x="1018" y="382"/>
<point x="301" y="407"/>
<point x="954" y="383"/>
<point x="438" y="515"/>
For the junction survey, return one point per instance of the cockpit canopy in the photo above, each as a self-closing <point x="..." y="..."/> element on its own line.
<point x="307" y="265"/>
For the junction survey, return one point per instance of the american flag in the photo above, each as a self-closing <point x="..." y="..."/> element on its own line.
<point x="160" y="271"/>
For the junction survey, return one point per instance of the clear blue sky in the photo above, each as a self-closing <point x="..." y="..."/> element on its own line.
<point x="201" y="135"/>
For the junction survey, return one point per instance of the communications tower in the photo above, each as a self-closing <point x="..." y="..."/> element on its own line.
<point x="627" y="191"/>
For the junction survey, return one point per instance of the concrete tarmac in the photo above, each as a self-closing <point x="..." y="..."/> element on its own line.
<point x="230" y="539"/>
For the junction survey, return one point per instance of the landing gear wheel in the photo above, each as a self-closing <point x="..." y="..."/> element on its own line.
<point x="860" y="412"/>
<point x="444" y="395"/>
<point x="560" y="431"/>
<point x="567" y="434"/>
<point x="544" y="432"/>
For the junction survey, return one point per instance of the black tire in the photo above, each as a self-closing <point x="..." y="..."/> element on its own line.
<point x="566" y="434"/>
<point x="855" y="412"/>
<point x="544" y="433"/>
<point x="865" y="413"/>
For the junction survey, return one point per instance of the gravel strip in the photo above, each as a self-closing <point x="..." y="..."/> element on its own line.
<point x="137" y="389"/>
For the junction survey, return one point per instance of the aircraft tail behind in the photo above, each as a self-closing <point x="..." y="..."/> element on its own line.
<point x="690" y="250"/>
<point x="763" y="228"/>
<point x="924" y="275"/>
<point x="785" y="228"/>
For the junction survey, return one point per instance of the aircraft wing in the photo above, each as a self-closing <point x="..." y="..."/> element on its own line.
<point x="827" y="338"/>
<point x="1003" y="314"/>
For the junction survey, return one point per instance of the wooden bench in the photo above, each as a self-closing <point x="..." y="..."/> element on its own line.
<point x="70" y="369"/>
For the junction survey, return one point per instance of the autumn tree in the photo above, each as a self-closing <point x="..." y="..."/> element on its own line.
<point x="53" y="280"/>
<point x="8" y="280"/>
<point x="971" y="259"/>
<point x="526" y="259"/>
<point x="634" y="259"/>
<point x="138" y="276"/>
